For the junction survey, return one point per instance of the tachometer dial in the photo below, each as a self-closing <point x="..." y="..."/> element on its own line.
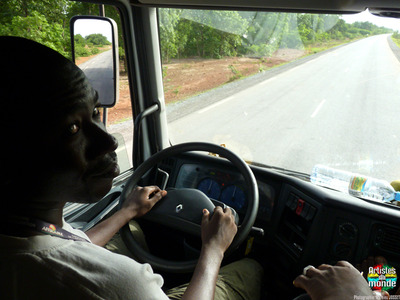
<point x="233" y="196"/>
<point x="210" y="187"/>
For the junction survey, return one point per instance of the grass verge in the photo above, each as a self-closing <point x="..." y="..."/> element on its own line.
<point x="396" y="41"/>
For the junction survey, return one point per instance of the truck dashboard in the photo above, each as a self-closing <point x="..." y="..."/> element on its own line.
<point x="297" y="222"/>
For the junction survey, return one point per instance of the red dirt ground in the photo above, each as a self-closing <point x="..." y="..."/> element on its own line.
<point x="188" y="77"/>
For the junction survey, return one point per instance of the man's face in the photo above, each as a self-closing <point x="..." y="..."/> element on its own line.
<point x="77" y="162"/>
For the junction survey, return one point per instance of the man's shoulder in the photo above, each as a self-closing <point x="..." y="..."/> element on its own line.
<point x="84" y="266"/>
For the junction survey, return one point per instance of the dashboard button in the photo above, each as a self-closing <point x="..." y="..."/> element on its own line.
<point x="292" y="203"/>
<point x="305" y="210"/>
<point x="311" y="213"/>
<point x="300" y="206"/>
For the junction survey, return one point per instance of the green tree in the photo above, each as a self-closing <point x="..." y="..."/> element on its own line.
<point x="37" y="28"/>
<point x="200" y="33"/>
<point x="47" y="21"/>
<point x="79" y="39"/>
<point x="54" y="10"/>
<point x="214" y="33"/>
<point x="97" y="39"/>
<point x="169" y="34"/>
<point x="43" y="21"/>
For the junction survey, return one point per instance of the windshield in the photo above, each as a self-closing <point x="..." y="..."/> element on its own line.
<point x="288" y="90"/>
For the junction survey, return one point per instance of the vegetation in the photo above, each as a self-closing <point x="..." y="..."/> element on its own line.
<point x="186" y="33"/>
<point x="47" y="21"/>
<point x="216" y="34"/>
<point x="236" y="73"/>
<point x="396" y="38"/>
<point x="89" y="45"/>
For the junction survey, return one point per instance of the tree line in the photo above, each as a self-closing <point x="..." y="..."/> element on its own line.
<point x="187" y="33"/>
<point x="90" y="44"/>
<point x="216" y="34"/>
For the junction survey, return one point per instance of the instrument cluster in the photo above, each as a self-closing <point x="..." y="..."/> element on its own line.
<point x="230" y="194"/>
<point x="222" y="186"/>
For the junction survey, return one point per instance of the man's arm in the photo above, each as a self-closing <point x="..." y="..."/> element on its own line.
<point x="217" y="234"/>
<point x="139" y="202"/>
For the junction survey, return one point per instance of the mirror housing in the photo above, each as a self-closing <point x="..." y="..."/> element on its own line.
<point x="97" y="38"/>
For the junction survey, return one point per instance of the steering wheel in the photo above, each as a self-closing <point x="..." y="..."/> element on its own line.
<point x="182" y="208"/>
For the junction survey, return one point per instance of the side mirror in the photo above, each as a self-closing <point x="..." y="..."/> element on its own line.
<point x="94" y="43"/>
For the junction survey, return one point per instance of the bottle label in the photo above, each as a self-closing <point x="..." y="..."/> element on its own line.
<point x="358" y="183"/>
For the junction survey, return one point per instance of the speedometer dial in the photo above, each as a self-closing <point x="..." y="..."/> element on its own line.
<point x="233" y="196"/>
<point x="210" y="187"/>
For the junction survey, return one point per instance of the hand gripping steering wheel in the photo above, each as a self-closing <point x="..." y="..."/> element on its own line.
<point x="182" y="208"/>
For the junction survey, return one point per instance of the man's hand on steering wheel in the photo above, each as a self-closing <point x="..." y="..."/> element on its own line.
<point x="142" y="199"/>
<point x="218" y="230"/>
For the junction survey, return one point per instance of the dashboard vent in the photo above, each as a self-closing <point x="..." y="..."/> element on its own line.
<point x="388" y="238"/>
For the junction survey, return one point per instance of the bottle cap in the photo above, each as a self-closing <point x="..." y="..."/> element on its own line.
<point x="397" y="196"/>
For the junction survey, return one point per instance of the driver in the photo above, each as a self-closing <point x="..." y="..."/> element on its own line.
<point x="56" y="150"/>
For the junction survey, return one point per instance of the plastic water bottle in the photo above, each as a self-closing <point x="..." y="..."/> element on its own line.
<point x="331" y="178"/>
<point x="354" y="184"/>
<point x="372" y="189"/>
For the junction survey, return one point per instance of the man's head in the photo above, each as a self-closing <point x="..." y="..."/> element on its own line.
<point x="55" y="146"/>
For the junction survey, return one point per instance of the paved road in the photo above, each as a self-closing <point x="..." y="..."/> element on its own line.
<point x="124" y="134"/>
<point x="99" y="70"/>
<point x="340" y="109"/>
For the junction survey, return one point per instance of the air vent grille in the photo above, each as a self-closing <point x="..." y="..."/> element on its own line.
<point x="388" y="238"/>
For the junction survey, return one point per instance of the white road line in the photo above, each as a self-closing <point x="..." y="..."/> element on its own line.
<point x="214" y="105"/>
<point x="266" y="82"/>
<point x="232" y="97"/>
<point x="318" y="108"/>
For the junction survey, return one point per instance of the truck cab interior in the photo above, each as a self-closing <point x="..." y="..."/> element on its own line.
<point x="326" y="90"/>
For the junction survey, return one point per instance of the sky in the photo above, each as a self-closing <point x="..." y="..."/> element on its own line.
<point x="379" y="21"/>
<point x="86" y="27"/>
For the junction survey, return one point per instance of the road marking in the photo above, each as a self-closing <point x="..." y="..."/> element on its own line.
<point x="318" y="108"/>
<point x="214" y="105"/>
<point x="266" y="82"/>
